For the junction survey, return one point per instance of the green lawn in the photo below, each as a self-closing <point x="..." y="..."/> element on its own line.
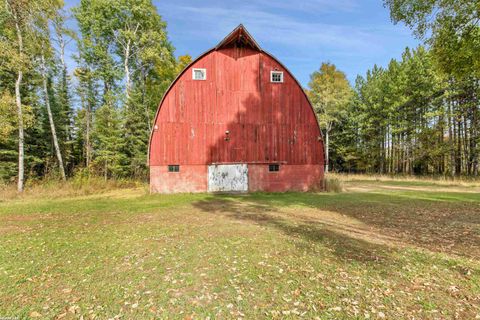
<point x="379" y="250"/>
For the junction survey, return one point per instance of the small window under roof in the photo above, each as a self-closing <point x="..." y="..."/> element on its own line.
<point x="276" y="76"/>
<point x="199" y="74"/>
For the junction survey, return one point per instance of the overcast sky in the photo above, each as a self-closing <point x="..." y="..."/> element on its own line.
<point x="353" y="34"/>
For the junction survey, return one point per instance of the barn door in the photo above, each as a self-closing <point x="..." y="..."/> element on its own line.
<point x="228" y="177"/>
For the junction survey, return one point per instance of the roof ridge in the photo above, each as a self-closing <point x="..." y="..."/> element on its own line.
<point x="240" y="33"/>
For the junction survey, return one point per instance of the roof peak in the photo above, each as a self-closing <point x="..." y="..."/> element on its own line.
<point x="239" y="37"/>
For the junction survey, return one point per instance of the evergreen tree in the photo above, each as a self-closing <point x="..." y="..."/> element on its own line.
<point x="109" y="143"/>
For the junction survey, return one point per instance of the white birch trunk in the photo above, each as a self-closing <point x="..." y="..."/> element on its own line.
<point x="326" y="151"/>
<point x="127" y="73"/>
<point x="50" y="119"/>
<point x="21" y="138"/>
<point x="18" y="100"/>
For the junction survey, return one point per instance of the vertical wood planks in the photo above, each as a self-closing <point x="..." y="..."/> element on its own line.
<point x="268" y="122"/>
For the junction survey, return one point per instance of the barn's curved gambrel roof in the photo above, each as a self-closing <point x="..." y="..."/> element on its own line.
<point x="241" y="33"/>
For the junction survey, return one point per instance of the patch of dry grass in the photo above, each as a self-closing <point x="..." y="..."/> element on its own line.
<point x="412" y="180"/>
<point x="78" y="186"/>
<point x="333" y="184"/>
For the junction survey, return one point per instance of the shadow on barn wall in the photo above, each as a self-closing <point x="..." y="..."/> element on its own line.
<point x="261" y="133"/>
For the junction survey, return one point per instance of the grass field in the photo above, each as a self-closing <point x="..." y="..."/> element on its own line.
<point x="392" y="249"/>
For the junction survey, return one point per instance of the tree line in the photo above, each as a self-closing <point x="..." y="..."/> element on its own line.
<point x="421" y="113"/>
<point x="95" y="119"/>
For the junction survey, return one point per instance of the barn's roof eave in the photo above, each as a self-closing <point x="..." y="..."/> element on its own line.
<point x="240" y="33"/>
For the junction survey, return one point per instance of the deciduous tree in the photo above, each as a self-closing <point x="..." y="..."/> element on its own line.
<point x="330" y="93"/>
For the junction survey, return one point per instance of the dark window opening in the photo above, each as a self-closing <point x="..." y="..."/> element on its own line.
<point x="273" y="167"/>
<point x="173" y="168"/>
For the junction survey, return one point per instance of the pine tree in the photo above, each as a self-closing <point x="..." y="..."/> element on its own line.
<point x="109" y="143"/>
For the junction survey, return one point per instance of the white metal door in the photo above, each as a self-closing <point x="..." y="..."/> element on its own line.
<point x="228" y="177"/>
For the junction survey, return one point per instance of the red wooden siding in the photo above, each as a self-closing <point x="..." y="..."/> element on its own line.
<point x="268" y="122"/>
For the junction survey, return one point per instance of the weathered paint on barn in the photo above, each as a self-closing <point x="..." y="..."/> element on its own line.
<point x="228" y="177"/>
<point x="236" y="116"/>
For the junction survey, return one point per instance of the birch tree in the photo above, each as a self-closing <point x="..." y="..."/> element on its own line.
<point x="45" y="51"/>
<point x="140" y="39"/>
<point x="18" y="13"/>
<point x="330" y="94"/>
<point x="58" y="153"/>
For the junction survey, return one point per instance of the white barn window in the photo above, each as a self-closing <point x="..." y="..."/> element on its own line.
<point x="199" y="74"/>
<point x="276" y="76"/>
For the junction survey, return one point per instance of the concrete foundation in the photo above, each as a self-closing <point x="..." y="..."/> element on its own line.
<point x="194" y="178"/>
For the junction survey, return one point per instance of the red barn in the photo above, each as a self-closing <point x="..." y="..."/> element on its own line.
<point x="235" y="120"/>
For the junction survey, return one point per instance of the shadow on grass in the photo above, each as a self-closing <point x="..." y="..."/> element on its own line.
<point x="344" y="247"/>
<point x="437" y="221"/>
